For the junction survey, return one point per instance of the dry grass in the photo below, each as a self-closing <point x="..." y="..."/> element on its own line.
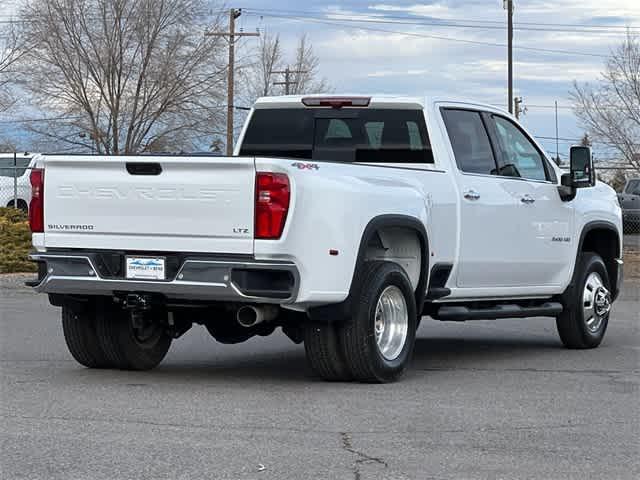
<point x="15" y="242"/>
<point x="632" y="263"/>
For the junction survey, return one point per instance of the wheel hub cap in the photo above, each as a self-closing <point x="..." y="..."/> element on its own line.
<point x="596" y="302"/>
<point x="391" y="323"/>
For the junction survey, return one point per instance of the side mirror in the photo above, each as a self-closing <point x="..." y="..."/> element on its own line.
<point x="582" y="172"/>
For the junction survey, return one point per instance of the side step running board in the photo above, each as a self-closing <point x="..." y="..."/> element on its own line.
<point x="454" y="313"/>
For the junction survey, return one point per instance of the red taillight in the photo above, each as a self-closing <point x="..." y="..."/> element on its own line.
<point x="272" y="204"/>
<point x="36" y="207"/>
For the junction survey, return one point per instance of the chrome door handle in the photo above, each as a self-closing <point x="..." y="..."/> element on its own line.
<point x="471" y="195"/>
<point x="528" y="199"/>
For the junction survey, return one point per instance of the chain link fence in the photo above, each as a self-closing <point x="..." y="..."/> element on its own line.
<point x="15" y="188"/>
<point x="631" y="220"/>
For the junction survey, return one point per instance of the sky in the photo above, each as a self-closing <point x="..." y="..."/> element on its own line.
<point x="411" y="47"/>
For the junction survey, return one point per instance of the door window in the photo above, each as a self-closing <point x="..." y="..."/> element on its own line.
<point x="519" y="156"/>
<point x="469" y="141"/>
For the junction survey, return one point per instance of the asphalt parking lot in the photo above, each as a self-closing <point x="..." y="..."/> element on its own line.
<point x="483" y="400"/>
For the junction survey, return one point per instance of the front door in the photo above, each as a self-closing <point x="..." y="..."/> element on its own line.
<point x="544" y="222"/>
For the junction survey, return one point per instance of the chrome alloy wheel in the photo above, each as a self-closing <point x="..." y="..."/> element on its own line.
<point x="596" y="302"/>
<point x="391" y="322"/>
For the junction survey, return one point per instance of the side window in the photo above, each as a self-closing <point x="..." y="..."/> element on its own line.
<point x="633" y="187"/>
<point x="520" y="157"/>
<point x="470" y="141"/>
<point x="7" y="168"/>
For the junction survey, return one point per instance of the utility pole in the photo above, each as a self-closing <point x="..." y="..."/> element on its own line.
<point x="508" y="5"/>
<point x="519" y="110"/>
<point x="287" y="78"/>
<point x="557" y="140"/>
<point x="231" y="35"/>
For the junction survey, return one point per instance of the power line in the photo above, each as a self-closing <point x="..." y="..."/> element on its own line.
<point x="419" y="35"/>
<point x="438" y="23"/>
<point x="377" y="14"/>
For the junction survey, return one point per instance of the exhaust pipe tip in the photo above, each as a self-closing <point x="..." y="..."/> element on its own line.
<point x="249" y="316"/>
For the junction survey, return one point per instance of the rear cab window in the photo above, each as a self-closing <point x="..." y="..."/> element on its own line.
<point x="369" y="135"/>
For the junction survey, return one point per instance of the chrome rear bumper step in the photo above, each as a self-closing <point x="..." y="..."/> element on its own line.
<point x="196" y="279"/>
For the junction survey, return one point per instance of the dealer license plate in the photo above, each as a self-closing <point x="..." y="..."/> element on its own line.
<point x="146" y="268"/>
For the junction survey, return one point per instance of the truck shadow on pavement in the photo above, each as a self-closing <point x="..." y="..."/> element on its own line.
<point x="453" y="353"/>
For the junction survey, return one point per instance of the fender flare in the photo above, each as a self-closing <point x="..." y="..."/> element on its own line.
<point x="589" y="227"/>
<point x="342" y="310"/>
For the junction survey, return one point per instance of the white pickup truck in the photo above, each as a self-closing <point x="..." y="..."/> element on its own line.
<point x="342" y="220"/>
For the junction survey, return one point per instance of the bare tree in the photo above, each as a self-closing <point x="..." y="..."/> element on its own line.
<point x="269" y="59"/>
<point x="12" y="49"/>
<point x="125" y="76"/>
<point x="308" y="64"/>
<point x="610" y="110"/>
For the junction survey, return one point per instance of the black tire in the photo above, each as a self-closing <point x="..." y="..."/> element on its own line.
<point x="23" y="206"/>
<point x="79" y="328"/>
<point x="324" y="353"/>
<point x="122" y="346"/>
<point x="357" y="334"/>
<point x="572" y="326"/>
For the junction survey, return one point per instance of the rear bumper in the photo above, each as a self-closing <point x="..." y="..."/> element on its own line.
<point x="194" y="278"/>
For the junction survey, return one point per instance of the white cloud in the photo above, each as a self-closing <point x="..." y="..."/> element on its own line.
<point x="578" y="10"/>
<point x="549" y="71"/>
<point x="424" y="10"/>
<point x="375" y="47"/>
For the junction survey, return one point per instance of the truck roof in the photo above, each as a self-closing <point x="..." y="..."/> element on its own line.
<point x="377" y="101"/>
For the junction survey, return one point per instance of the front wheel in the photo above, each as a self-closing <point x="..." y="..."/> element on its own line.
<point x="378" y="339"/>
<point x="584" y="320"/>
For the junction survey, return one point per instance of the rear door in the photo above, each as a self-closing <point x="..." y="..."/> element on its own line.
<point x="160" y="204"/>
<point x="490" y="254"/>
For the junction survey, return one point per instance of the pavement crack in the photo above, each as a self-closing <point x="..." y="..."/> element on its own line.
<point x="363" y="458"/>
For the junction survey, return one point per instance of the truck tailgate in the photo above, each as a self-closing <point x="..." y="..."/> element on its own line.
<point x="187" y="204"/>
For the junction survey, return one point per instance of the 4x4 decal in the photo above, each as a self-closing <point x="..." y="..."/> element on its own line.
<point x="306" y="166"/>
